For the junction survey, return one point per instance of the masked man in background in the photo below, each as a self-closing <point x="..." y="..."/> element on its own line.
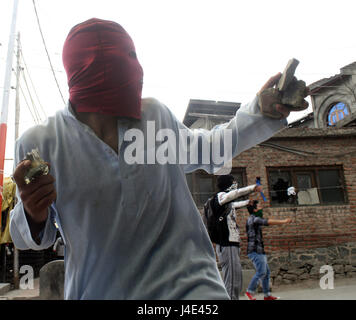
<point x="228" y="245"/>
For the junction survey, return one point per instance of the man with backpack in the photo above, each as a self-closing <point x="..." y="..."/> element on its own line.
<point x="219" y="213"/>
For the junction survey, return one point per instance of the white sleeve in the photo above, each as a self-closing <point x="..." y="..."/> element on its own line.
<point x="240" y="204"/>
<point x="21" y="234"/>
<point x="19" y="228"/>
<point x="225" y="197"/>
<point x="213" y="150"/>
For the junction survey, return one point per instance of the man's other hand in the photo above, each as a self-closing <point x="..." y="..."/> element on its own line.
<point x="36" y="196"/>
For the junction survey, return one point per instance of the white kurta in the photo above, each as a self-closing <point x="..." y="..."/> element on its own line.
<point x="226" y="197"/>
<point x="131" y="231"/>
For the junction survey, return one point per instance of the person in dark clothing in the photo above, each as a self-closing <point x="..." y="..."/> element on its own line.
<point x="280" y="187"/>
<point x="228" y="248"/>
<point x="255" y="249"/>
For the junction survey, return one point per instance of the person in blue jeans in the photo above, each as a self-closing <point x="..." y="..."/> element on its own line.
<point x="255" y="249"/>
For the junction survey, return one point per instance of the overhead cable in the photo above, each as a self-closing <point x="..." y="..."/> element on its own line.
<point x="44" y="44"/>
<point x="30" y="95"/>
<point x="34" y="89"/>
<point x="28" y="106"/>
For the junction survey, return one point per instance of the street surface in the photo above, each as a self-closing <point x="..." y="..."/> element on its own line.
<point x="344" y="289"/>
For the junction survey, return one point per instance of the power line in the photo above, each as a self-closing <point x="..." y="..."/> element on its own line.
<point x="44" y="43"/>
<point x="35" y="117"/>
<point x="34" y="89"/>
<point x="32" y="102"/>
<point x="28" y="106"/>
<point x="279" y="190"/>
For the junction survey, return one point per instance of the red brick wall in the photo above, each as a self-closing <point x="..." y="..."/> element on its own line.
<point x="312" y="226"/>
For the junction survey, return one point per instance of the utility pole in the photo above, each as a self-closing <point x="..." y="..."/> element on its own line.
<point x="17" y="101"/>
<point x="17" y="121"/>
<point x="6" y="96"/>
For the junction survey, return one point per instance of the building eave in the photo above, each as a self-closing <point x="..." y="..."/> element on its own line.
<point x="303" y="133"/>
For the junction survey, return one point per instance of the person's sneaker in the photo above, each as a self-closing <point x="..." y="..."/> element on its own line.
<point x="249" y="296"/>
<point x="271" y="298"/>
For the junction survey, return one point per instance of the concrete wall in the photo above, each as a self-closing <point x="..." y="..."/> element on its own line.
<point x="300" y="265"/>
<point x="52" y="281"/>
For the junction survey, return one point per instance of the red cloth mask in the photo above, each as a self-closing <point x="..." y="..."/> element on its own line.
<point x="103" y="72"/>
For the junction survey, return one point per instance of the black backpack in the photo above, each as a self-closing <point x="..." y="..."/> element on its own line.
<point x="214" y="222"/>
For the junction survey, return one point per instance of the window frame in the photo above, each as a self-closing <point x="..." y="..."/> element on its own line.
<point x="195" y="184"/>
<point x="329" y="109"/>
<point x="315" y="183"/>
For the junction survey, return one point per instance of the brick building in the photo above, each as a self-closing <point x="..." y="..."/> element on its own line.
<point x="317" y="156"/>
<point x="320" y="164"/>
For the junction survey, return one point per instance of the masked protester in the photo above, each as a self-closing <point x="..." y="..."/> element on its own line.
<point x="228" y="245"/>
<point x="255" y="249"/>
<point x="130" y="228"/>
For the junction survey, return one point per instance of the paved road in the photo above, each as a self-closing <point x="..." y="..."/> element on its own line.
<point x="21" y="294"/>
<point x="344" y="289"/>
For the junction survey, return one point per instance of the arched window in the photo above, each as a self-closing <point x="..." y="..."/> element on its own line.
<point x="337" y="112"/>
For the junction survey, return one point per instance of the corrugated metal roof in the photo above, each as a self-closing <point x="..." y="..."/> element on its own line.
<point x="208" y="108"/>
<point x="297" y="123"/>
